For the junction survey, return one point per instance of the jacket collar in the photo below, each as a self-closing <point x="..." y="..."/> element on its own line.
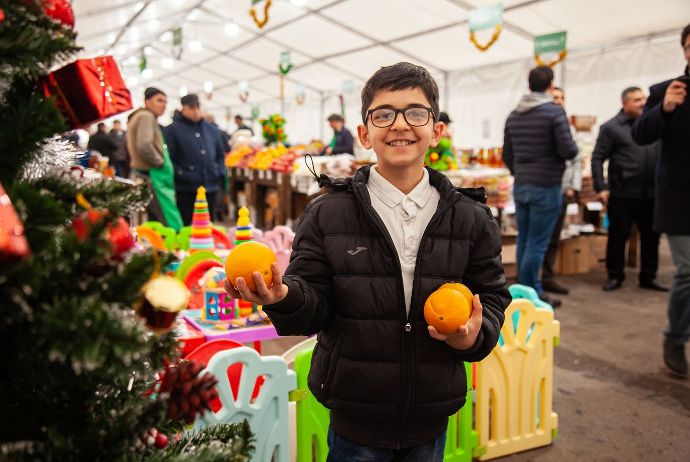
<point x="623" y="119"/>
<point x="182" y="119"/>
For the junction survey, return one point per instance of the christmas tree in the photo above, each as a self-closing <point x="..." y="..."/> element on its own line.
<point x="81" y="375"/>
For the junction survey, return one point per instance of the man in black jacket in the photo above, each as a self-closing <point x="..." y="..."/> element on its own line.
<point x="100" y="142"/>
<point x="119" y="137"/>
<point x="536" y="144"/>
<point x="667" y="117"/>
<point x="629" y="193"/>
<point x="366" y="257"/>
<point x="343" y="142"/>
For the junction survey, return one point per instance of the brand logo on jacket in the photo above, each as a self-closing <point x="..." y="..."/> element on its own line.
<point x="356" y="251"/>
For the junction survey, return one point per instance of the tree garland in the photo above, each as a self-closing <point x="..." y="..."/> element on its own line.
<point x="561" y="56"/>
<point x="261" y="24"/>
<point x="497" y="32"/>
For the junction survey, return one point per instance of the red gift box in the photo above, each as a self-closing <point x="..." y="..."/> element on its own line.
<point x="88" y="90"/>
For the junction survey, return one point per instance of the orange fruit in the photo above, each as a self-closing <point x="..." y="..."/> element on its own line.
<point x="462" y="288"/>
<point x="446" y="310"/>
<point x="247" y="258"/>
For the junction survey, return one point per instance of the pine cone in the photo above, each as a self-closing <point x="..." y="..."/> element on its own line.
<point x="190" y="393"/>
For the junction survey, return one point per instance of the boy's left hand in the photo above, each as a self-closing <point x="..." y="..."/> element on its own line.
<point x="465" y="336"/>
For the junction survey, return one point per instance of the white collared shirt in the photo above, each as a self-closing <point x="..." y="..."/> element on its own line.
<point x="406" y="217"/>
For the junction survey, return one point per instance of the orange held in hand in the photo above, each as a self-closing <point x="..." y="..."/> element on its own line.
<point x="462" y="288"/>
<point x="247" y="258"/>
<point x="448" y="308"/>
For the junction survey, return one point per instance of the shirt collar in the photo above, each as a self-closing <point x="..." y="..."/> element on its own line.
<point x="623" y="118"/>
<point x="392" y="196"/>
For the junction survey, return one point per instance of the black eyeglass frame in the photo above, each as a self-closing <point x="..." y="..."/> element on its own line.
<point x="395" y="116"/>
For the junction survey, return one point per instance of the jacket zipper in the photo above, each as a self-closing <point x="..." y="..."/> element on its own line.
<point x="407" y="371"/>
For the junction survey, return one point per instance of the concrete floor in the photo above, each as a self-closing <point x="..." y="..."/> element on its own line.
<point x="613" y="398"/>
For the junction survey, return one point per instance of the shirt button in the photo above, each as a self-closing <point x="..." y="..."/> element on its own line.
<point x="204" y="170"/>
<point x="198" y="134"/>
<point x="179" y="172"/>
<point x="405" y="215"/>
<point x="410" y="241"/>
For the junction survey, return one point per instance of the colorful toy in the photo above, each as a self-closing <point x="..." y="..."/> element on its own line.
<point x="243" y="233"/>
<point x="441" y="157"/>
<point x="218" y="305"/>
<point x="201" y="236"/>
<point x="192" y="269"/>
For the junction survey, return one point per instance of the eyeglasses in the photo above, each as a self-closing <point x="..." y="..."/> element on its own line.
<point x="686" y="48"/>
<point x="414" y="116"/>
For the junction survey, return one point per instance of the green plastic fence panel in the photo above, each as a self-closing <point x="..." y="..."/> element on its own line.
<point x="169" y="235"/>
<point x="312" y="418"/>
<point x="461" y="438"/>
<point x="183" y="238"/>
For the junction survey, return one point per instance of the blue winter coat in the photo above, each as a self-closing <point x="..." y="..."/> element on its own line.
<point x="197" y="152"/>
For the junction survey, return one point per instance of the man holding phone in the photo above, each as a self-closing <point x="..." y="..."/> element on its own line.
<point x="666" y="116"/>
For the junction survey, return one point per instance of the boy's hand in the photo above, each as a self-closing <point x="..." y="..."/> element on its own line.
<point x="264" y="295"/>
<point x="466" y="335"/>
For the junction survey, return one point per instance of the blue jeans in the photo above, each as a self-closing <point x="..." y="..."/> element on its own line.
<point x="536" y="209"/>
<point x="342" y="450"/>
<point x="678" y="330"/>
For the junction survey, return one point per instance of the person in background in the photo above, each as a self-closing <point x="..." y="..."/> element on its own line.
<point x="666" y="117"/>
<point x="100" y="142"/>
<point x="118" y="135"/>
<point x="150" y="160"/>
<point x="240" y="124"/>
<point x="537" y="142"/>
<point x="629" y="192"/>
<point x="197" y="152"/>
<point x="342" y="141"/>
<point x="225" y="138"/>
<point x="570" y="186"/>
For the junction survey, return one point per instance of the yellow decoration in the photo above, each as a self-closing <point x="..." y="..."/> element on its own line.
<point x="497" y="32"/>
<point x="252" y="13"/>
<point x="515" y="384"/>
<point x="561" y="57"/>
<point x="300" y="99"/>
<point x="282" y="86"/>
<point x="201" y="194"/>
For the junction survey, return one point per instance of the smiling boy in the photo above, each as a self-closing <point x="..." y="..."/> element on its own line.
<point x="365" y="258"/>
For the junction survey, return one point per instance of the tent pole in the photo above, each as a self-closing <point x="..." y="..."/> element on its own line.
<point x="446" y="97"/>
<point x="322" y="115"/>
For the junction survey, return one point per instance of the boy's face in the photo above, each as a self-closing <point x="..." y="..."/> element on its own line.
<point x="416" y="140"/>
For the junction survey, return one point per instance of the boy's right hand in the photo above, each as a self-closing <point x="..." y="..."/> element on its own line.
<point x="264" y="295"/>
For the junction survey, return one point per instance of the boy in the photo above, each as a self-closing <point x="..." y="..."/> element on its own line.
<point x="365" y="258"/>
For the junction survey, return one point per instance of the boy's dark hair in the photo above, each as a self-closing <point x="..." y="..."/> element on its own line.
<point x="684" y="35"/>
<point x="627" y="91"/>
<point x="540" y="78"/>
<point x="398" y="77"/>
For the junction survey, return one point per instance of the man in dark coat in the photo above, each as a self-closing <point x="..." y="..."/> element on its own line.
<point x="667" y="117"/>
<point x="197" y="152"/>
<point x="119" y="157"/>
<point x="629" y="192"/>
<point x="342" y="142"/>
<point x="537" y="142"/>
<point x="100" y="142"/>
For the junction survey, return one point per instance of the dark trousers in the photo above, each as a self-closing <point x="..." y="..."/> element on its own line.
<point x="185" y="202"/>
<point x="552" y="250"/>
<point x="154" y="210"/>
<point x="622" y="214"/>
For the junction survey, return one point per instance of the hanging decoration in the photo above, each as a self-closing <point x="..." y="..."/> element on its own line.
<point x="2" y="15"/>
<point x="300" y="94"/>
<point x="54" y="153"/>
<point x="255" y="111"/>
<point x="252" y="13"/>
<point x="13" y="243"/>
<point x="208" y="89"/>
<point x="348" y="87"/>
<point x="177" y="47"/>
<point x="551" y="43"/>
<point x="60" y="10"/>
<point x="284" y="67"/>
<point x="244" y="91"/>
<point x="486" y="18"/>
<point x="341" y="97"/>
<point x="272" y="129"/>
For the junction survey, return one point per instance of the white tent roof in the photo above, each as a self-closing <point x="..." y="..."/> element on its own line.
<point x="336" y="40"/>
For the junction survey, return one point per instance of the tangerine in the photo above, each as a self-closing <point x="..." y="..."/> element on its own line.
<point x="247" y="258"/>
<point x="446" y="310"/>
<point x="462" y="288"/>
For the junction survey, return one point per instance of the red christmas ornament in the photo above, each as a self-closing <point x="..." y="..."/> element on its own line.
<point x="2" y="15"/>
<point x="161" y="441"/>
<point x="60" y="10"/>
<point x="118" y="233"/>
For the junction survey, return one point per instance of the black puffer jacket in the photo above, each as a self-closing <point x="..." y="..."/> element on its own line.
<point x="387" y="382"/>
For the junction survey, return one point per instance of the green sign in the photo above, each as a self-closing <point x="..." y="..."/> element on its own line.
<point x="551" y="42"/>
<point x="254" y="2"/>
<point x="142" y="62"/>
<point x="348" y="86"/>
<point x="177" y="36"/>
<point x="285" y="58"/>
<point x="486" y="18"/>
<point x="300" y="89"/>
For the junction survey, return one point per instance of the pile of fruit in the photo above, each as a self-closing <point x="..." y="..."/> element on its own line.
<point x="236" y="155"/>
<point x="279" y="158"/>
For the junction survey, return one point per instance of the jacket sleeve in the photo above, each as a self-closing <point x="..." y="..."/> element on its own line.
<point x="508" y="153"/>
<point x="220" y="159"/>
<point x="602" y="151"/>
<point x="345" y="143"/>
<point x="307" y="308"/>
<point x="485" y="276"/>
<point x="565" y="146"/>
<point x="650" y="125"/>
<point x="145" y="142"/>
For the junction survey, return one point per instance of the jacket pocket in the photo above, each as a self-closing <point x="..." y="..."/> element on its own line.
<point x="323" y="364"/>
